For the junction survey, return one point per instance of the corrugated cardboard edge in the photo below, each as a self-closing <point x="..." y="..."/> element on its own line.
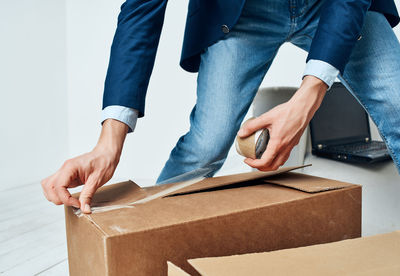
<point x="201" y="264"/>
<point x="173" y="270"/>
<point x="225" y="181"/>
<point x="306" y="183"/>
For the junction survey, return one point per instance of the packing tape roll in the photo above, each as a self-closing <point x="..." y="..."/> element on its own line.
<point x="254" y="145"/>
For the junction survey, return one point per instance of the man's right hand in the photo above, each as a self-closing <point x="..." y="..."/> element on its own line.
<point x="92" y="169"/>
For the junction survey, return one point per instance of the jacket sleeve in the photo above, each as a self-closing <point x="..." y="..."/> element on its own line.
<point x="133" y="53"/>
<point x="338" y="29"/>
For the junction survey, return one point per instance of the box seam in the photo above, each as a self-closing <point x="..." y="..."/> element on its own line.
<point x="91" y="220"/>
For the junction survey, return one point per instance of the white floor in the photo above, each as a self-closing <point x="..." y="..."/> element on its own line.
<point x="32" y="231"/>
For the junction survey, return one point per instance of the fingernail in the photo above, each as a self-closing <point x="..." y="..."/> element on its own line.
<point x="76" y="206"/>
<point x="87" y="208"/>
<point x="241" y="132"/>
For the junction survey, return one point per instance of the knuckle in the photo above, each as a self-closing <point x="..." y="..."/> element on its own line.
<point x="55" y="201"/>
<point x="86" y="195"/>
<point x="64" y="198"/>
<point x="68" y="163"/>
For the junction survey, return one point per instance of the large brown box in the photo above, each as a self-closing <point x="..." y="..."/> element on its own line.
<point x="368" y="256"/>
<point x="135" y="231"/>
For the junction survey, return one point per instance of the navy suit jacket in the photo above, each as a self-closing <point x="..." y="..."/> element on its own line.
<point x="140" y="22"/>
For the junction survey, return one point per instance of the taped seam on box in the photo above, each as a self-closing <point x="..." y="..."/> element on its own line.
<point x="90" y="219"/>
<point x="233" y="213"/>
<point x="169" y="190"/>
<point x="102" y="209"/>
<point x="182" y="185"/>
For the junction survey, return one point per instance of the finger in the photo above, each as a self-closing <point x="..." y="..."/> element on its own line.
<point x="44" y="183"/>
<point x="48" y="190"/>
<point x="44" y="189"/>
<point x="87" y="193"/>
<point x="253" y="125"/>
<point x="266" y="159"/>
<point x="280" y="159"/>
<point x="53" y="197"/>
<point x="65" y="197"/>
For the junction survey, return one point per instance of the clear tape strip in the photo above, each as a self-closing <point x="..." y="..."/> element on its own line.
<point x="172" y="189"/>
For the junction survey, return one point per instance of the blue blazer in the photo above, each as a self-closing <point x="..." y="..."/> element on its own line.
<point x="140" y="22"/>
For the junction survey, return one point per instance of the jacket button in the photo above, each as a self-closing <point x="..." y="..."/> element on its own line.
<point x="225" y="29"/>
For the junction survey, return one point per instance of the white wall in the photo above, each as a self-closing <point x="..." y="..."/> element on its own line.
<point x="33" y="112"/>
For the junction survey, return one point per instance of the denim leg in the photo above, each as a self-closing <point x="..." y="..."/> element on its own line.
<point x="230" y="73"/>
<point x="372" y="75"/>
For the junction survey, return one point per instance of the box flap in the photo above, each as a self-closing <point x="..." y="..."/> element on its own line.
<point x="374" y="255"/>
<point x="224" y="181"/>
<point x="306" y="183"/>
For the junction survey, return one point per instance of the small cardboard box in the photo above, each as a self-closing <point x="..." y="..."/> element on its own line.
<point x="369" y="256"/>
<point x="135" y="231"/>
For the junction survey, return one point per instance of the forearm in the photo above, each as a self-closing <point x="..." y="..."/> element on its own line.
<point x="310" y="95"/>
<point x="112" y="138"/>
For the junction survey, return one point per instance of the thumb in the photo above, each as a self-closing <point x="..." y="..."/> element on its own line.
<point x="87" y="193"/>
<point x="251" y="126"/>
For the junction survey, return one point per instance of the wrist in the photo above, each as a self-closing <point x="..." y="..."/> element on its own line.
<point x="314" y="82"/>
<point x="112" y="138"/>
<point x="310" y="94"/>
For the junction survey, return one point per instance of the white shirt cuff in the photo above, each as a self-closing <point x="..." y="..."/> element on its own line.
<point x="322" y="70"/>
<point x="123" y="114"/>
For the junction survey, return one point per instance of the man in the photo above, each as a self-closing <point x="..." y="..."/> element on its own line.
<point x="232" y="43"/>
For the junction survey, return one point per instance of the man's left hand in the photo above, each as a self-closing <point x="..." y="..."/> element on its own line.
<point x="286" y="123"/>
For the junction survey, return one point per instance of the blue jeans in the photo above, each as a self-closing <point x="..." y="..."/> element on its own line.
<point x="232" y="69"/>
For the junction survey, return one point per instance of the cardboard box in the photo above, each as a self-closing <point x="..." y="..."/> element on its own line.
<point x="135" y="231"/>
<point x="375" y="255"/>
